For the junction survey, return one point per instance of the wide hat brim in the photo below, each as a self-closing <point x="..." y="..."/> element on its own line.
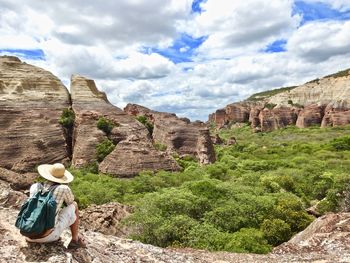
<point x="45" y="172"/>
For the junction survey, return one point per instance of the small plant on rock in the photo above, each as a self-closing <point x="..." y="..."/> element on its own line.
<point x="105" y="125"/>
<point x="143" y="119"/>
<point x="160" y="147"/>
<point x="67" y="118"/>
<point x="103" y="149"/>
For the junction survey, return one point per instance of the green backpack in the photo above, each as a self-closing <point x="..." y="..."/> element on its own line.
<point x="38" y="213"/>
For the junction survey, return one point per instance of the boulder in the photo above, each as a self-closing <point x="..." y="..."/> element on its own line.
<point x="17" y="181"/>
<point x="179" y="136"/>
<point x="105" y="218"/>
<point x="134" y="151"/>
<point x="31" y="103"/>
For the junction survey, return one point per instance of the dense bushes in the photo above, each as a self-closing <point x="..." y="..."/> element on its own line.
<point x="253" y="198"/>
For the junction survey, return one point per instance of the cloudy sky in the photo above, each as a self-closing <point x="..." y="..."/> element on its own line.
<point x="184" y="56"/>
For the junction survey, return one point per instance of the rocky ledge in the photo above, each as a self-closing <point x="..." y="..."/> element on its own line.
<point x="325" y="240"/>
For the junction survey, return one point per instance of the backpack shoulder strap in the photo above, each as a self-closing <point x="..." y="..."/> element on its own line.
<point x="53" y="187"/>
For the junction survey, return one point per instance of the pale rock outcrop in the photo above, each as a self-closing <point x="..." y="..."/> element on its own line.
<point x="322" y="91"/>
<point x="134" y="151"/>
<point x="31" y="103"/>
<point x="180" y="136"/>
<point x="327" y="235"/>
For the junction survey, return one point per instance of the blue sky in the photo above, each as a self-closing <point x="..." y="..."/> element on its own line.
<point x="318" y="11"/>
<point x="192" y="57"/>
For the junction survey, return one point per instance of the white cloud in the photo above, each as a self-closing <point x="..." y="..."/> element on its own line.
<point x="103" y="41"/>
<point x="319" y="41"/>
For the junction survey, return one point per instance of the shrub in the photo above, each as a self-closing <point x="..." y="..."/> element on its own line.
<point x="160" y="147"/>
<point x="276" y="231"/>
<point x="105" y="125"/>
<point x="341" y="144"/>
<point x="103" y="149"/>
<point x="270" y="106"/>
<point x="143" y="119"/>
<point x="67" y="118"/>
<point x="248" y="240"/>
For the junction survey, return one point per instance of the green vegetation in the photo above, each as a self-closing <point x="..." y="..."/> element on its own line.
<point x="290" y="102"/>
<point x="269" y="93"/>
<point x="143" y="119"/>
<point x="160" y="147"/>
<point x="105" y="125"/>
<point x="253" y="198"/>
<point x="103" y="149"/>
<point x="67" y="118"/>
<point x="270" y="106"/>
<point x="339" y="74"/>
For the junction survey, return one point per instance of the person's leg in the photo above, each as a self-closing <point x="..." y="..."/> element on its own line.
<point x="74" y="228"/>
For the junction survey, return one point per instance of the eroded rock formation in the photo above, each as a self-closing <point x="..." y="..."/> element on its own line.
<point x="323" y="102"/>
<point x="134" y="151"/>
<point x="179" y="135"/>
<point x="31" y="102"/>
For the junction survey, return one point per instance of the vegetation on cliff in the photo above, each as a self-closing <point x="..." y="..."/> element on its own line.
<point x="253" y="198"/>
<point x="269" y="93"/>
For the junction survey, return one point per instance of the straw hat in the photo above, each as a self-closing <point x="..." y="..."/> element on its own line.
<point x="55" y="173"/>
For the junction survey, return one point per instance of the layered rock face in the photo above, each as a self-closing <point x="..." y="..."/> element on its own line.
<point x="323" y="102"/>
<point x="31" y="103"/>
<point x="134" y="151"/>
<point x="179" y="135"/>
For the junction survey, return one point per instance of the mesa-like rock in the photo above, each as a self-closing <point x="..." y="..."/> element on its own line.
<point x="31" y="102"/>
<point x="134" y="151"/>
<point x="179" y="135"/>
<point x="323" y="102"/>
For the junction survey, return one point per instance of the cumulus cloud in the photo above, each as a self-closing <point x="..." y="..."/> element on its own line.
<point x="320" y="41"/>
<point x="114" y="42"/>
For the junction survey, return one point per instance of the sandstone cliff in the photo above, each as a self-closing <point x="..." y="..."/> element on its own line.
<point x="134" y="150"/>
<point x="31" y="102"/>
<point x="324" y="102"/>
<point x="178" y="134"/>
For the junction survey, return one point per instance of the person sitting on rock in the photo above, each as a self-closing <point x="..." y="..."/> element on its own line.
<point x="56" y="175"/>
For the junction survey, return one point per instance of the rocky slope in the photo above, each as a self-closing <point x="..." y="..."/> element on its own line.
<point x="325" y="240"/>
<point x="134" y="150"/>
<point x="178" y="134"/>
<point x="31" y="101"/>
<point x="324" y="102"/>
